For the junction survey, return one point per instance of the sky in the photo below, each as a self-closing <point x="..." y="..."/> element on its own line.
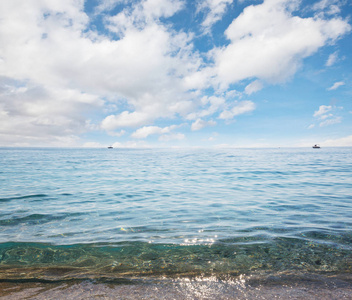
<point x="175" y="73"/>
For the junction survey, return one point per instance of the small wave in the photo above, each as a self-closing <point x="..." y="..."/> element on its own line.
<point x="31" y="219"/>
<point x="35" y="196"/>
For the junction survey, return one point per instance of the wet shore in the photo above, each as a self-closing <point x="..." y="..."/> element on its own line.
<point x="278" y="286"/>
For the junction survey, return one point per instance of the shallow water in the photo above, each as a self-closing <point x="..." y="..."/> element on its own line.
<point x="70" y="214"/>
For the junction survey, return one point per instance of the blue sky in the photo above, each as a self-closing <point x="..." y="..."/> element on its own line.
<point x="175" y="73"/>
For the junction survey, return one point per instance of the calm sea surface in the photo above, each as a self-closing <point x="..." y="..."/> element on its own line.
<point x="112" y="213"/>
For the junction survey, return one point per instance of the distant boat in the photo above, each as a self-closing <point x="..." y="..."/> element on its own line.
<point x="110" y="147"/>
<point x="316" y="146"/>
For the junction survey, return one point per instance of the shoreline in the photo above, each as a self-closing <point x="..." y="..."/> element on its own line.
<point x="269" y="286"/>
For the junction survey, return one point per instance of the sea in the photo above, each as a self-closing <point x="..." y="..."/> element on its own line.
<point x="175" y="223"/>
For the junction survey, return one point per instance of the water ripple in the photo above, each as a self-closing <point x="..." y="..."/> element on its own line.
<point x="177" y="197"/>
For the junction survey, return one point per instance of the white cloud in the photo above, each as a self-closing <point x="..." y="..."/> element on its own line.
<point x="324" y="117"/>
<point x="268" y="42"/>
<point x="210" y="106"/>
<point x="332" y="59"/>
<point x="329" y="7"/>
<point x="323" y="109"/>
<point x="161" y="8"/>
<point x="165" y="133"/>
<point x="43" y="117"/>
<point x="107" y="5"/>
<point x="327" y="115"/>
<point x="199" y="80"/>
<point x="142" y="14"/>
<point x="238" y="109"/>
<point x="214" y="9"/>
<point x="336" y="85"/>
<point x="126" y="119"/>
<point x="60" y="78"/>
<point x="47" y="44"/>
<point x="330" y="121"/>
<point x="253" y="87"/>
<point x="145" y="131"/>
<point x="199" y="124"/>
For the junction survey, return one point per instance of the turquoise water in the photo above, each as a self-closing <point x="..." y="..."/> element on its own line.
<point x="108" y="213"/>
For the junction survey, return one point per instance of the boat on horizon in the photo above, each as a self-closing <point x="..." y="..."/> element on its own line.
<point x="316" y="146"/>
<point x="110" y="147"/>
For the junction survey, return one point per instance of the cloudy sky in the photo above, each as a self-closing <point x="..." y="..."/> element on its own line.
<point x="175" y="73"/>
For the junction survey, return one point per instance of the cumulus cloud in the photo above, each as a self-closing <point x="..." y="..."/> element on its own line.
<point x="336" y="85"/>
<point x="145" y="131"/>
<point x="210" y="105"/>
<point x="141" y="14"/>
<point x="239" y="108"/>
<point x="126" y="119"/>
<point x="37" y="108"/>
<point x="36" y="115"/>
<point x="269" y="42"/>
<point x="161" y="8"/>
<point x="199" y="124"/>
<point x="61" y="77"/>
<point x="46" y="44"/>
